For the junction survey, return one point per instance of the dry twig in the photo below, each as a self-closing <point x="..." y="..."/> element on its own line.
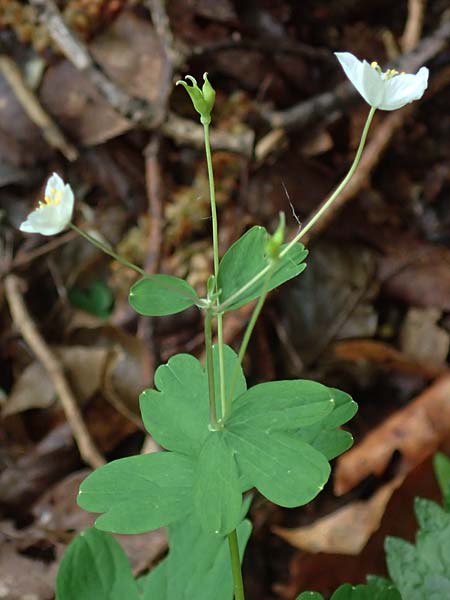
<point x="25" y="324"/>
<point x="33" y="108"/>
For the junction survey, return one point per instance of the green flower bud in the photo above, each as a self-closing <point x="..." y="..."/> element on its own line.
<point x="275" y="241"/>
<point x="202" y="99"/>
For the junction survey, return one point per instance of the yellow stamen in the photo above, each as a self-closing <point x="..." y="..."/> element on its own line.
<point x="53" y="198"/>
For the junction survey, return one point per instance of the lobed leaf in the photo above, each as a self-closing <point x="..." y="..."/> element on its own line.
<point x="139" y="493"/>
<point x="217" y="495"/>
<point x="285" y="469"/>
<point x="159" y="295"/>
<point x="246" y="258"/>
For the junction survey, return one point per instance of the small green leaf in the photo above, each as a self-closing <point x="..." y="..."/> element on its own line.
<point x="441" y="465"/>
<point x="158" y="295"/>
<point x="177" y="415"/>
<point x="282" y="405"/>
<point x="282" y="467"/>
<point x="94" y="567"/>
<point x="430" y="516"/>
<point x="372" y="591"/>
<point x="97" y="299"/>
<point x="139" y="493"/>
<point x="310" y="596"/>
<point x="217" y="496"/>
<point x="246" y="258"/>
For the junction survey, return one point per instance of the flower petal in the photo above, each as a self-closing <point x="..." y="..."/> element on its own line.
<point x="352" y="68"/>
<point x="54" y="183"/>
<point x="403" y="89"/>
<point x="43" y="220"/>
<point x="373" y="85"/>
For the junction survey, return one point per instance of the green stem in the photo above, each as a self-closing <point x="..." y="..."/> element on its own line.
<point x="248" y="333"/>
<point x="222" y="307"/>
<point x="107" y="250"/>
<point x="215" y="237"/>
<point x="210" y="370"/>
<point x="212" y="197"/>
<point x="221" y="365"/>
<point x="236" y="566"/>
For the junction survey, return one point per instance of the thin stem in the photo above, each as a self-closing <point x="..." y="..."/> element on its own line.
<point x="248" y="333"/>
<point x="222" y="307"/>
<point x="221" y="365"/>
<point x="107" y="250"/>
<point x="236" y="566"/>
<point x="212" y="196"/>
<point x="210" y="370"/>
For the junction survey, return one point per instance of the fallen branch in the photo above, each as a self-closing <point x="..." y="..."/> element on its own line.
<point x="25" y="324"/>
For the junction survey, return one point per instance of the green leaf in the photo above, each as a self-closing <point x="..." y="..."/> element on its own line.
<point x="246" y="258"/>
<point x="441" y="465"/>
<point x="324" y="436"/>
<point x="217" y="495"/>
<point x="282" y="467"/>
<point x="377" y="588"/>
<point x="154" y="585"/>
<point x="201" y="562"/>
<point x="430" y="516"/>
<point x="158" y="295"/>
<point x="94" y="567"/>
<point x="96" y="299"/>
<point x="282" y="405"/>
<point x="139" y="493"/>
<point x="177" y="415"/>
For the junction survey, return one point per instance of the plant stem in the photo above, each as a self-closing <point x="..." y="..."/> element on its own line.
<point x="212" y="197"/>
<point x="107" y="250"/>
<point x="210" y="370"/>
<point x="236" y="566"/>
<point x="222" y="307"/>
<point x="215" y="237"/>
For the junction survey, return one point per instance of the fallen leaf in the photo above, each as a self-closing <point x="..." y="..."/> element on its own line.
<point x="348" y="529"/>
<point x="415" y="432"/>
<point x="34" y="388"/>
<point x="421" y="338"/>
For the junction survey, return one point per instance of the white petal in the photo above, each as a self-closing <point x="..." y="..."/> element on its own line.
<point x="403" y="89"/>
<point x="67" y="202"/>
<point x="46" y="221"/>
<point x="373" y="85"/>
<point x="352" y="68"/>
<point x="54" y="183"/>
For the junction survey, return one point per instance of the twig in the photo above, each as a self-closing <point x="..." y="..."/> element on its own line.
<point x="25" y="324"/>
<point x="137" y="110"/>
<point x="33" y="108"/>
<point x="185" y="131"/>
<point x="413" y="27"/>
<point x="344" y="95"/>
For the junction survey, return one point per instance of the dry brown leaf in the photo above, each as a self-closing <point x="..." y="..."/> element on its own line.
<point x="421" y="338"/>
<point x="129" y="51"/>
<point x="33" y="389"/>
<point x="348" y="529"/>
<point x="415" y="432"/>
<point x="386" y="356"/>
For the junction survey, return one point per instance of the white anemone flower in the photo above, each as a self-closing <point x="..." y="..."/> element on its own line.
<point x="387" y="91"/>
<point x="55" y="212"/>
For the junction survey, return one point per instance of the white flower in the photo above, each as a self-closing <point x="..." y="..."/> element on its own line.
<point x="55" y="213"/>
<point x="386" y="91"/>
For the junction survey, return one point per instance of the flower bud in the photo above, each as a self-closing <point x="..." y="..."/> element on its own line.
<point x="202" y="99"/>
